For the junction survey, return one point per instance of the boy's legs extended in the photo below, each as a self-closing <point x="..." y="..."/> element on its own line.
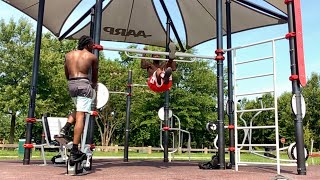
<point x="166" y="71"/>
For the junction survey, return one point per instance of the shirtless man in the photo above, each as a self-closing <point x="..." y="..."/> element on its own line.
<point x="77" y="65"/>
<point x="160" y="74"/>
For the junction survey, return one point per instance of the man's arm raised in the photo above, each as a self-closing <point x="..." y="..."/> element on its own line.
<point x="94" y="71"/>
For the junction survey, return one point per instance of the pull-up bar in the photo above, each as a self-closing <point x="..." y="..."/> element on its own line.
<point x="140" y="51"/>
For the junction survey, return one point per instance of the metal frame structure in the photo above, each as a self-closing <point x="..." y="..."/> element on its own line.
<point x="237" y="97"/>
<point x="179" y="130"/>
<point x="296" y="63"/>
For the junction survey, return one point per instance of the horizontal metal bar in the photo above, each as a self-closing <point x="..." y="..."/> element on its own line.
<point x="143" y="85"/>
<point x="254" y="93"/>
<point x="116" y="92"/>
<point x="256" y="76"/>
<point x="178" y="54"/>
<point x="256" y="163"/>
<point x="160" y="59"/>
<point x="283" y="160"/>
<point x="253" y="44"/>
<point x="262" y="151"/>
<point x="250" y="151"/>
<point x="177" y="129"/>
<point x="254" y="110"/>
<point x="261" y="145"/>
<point x="266" y="163"/>
<point x="256" y="127"/>
<point x="253" y="60"/>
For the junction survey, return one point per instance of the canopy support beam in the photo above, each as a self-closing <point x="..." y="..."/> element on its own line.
<point x="164" y="7"/>
<point x="34" y="82"/>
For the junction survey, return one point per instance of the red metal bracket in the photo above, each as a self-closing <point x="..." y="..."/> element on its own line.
<point x="97" y="46"/>
<point x="92" y="146"/>
<point x="288" y="1"/>
<point x="94" y="113"/>
<point x="28" y="146"/>
<point x="166" y="128"/>
<point x="31" y="120"/>
<point x="219" y="58"/>
<point x="290" y="35"/>
<point x="219" y="51"/>
<point x="232" y="149"/>
<point x="231" y="127"/>
<point x="293" y="77"/>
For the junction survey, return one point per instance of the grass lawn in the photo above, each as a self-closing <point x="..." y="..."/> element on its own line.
<point x="14" y="155"/>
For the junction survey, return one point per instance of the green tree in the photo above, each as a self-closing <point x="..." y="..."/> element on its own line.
<point x="16" y="45"/>
<point x="312" y="118"/>
<point x="16" y="54"/>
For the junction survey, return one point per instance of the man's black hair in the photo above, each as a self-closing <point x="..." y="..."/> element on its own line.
<point x="84" y="41"/>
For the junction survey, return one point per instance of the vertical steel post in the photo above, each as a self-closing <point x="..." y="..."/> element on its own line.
<point x="128" y="104"/>
<point x="34" y="82"/>
<point x="92" y="22"/>
<point x="230" y="83"/>
<point x="166" y="104"/>
<point x="301" y="166"/>
<point x="219" y="59"/>
<point x="96" y="40"/>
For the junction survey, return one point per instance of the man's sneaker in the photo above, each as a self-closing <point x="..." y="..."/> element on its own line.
<point x="167" y="75"/>
<point x="63" y="132"/>
<point x="76" y="156"/>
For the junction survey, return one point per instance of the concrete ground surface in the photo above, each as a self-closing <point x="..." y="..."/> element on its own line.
<point x="149" y="169"/>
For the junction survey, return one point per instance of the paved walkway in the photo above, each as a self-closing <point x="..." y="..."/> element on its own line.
<point x="149" y="169"/>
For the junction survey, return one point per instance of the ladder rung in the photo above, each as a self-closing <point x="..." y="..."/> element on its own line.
<point x="253" y="110"/>
<point x="254" y="60"/>
<point x="261" y="145"/>
<point x="259" y="92"/>
<point x="244" y="163"/>
<point x="264" y="163"/>
<point x="256" y="127"/>
<point x="256" y="76"/>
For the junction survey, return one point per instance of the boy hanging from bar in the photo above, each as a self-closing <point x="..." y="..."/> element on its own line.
<point x="160" y="74"/>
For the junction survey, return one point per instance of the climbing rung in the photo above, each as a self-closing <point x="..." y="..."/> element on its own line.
<point x="256" y="127"/>
<point x="254" y="60"/>
<point x="256" y="76"/>
<point x="254" y="93"/>
<point x="261" y="145"/>
<point x="268" y="163"/>
<point x="254" y="110"/>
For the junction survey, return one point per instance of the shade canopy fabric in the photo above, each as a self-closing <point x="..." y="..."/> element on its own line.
<point x="56" y="12"/>
<point x="278" y="4"/>
<point x="199" y="18"/>
<point x="137" y="21"/>
<point x="134" y="21"/>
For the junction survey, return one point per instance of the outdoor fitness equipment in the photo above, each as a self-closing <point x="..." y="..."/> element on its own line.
<point x="171" y="54"/>
<point x="291" y="149"/>
<point x="171" y="128"/>
<point x="85" y="165"/>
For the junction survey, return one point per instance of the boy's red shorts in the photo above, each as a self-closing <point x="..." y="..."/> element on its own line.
<point x="153" y="85"/>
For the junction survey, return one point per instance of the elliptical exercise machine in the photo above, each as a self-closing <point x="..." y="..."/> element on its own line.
<point x="84" y="166"/>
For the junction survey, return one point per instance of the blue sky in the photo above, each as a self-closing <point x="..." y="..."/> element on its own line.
<point x="311" y="30"/>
